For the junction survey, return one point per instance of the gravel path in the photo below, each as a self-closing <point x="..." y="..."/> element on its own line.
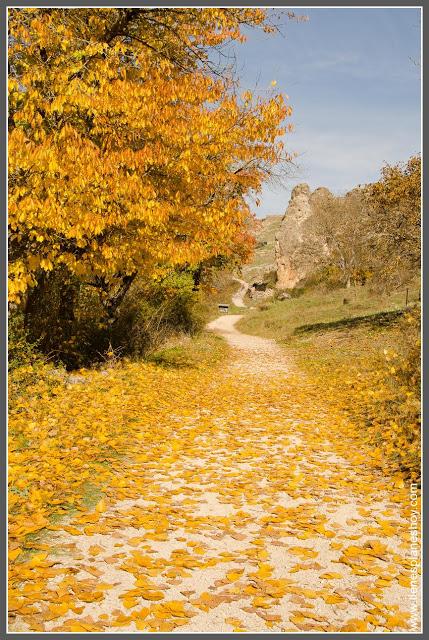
<point x="238" y="298"/>
<point x="273" y="522"/>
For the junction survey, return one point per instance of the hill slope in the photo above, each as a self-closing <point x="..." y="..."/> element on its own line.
<point x="264" y="257"/>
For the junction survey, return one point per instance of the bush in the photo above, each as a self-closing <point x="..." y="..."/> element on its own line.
<point x="263" y="306"/>
<point x="392" y="403"/>
<point x="270" y="278"/>
<point x="405" y="361"/>
<point x="28" y="370"/>
<point x="154" y="312"/>
<point x="76" y="332"/>
<point x="21" y="352"/>
<point x="373" y="375"/>
<point x="328" y="278"/>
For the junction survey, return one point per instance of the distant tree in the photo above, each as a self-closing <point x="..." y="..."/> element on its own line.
<point x="337" y="233"/>
<point x="371" y="232"/>
<point x="394" y="210"/>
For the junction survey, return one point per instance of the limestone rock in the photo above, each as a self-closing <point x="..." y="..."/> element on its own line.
<point x="284" y="295"/>
<point x="293" y="263"/>
<point x="260" y="291"/>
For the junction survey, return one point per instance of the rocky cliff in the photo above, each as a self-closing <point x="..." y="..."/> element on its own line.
<point x="294" y="258"/>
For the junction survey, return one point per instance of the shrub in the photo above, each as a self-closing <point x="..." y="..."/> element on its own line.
<point x="328" y="278"/>
<point x="391" y="399"/>
<point x="270" y="278"/>
<point x="20" y="351"/>
<point x="154" y="311"/>
<point x="28" y="370"/>
<point x="385" y="398"/>
<point x="149" y="314"/>
<point x="401" y="401"/>
<point x="405" y="361"/>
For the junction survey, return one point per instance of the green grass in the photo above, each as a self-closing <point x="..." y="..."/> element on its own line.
<point x="233" y="310"/>
<point x="190" y="352"/>
<point x="280" y="320"/>
<point x="92" y="495"/>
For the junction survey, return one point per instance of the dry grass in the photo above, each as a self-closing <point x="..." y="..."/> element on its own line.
<point x="263" y="257"/>
<point x="220" y="293"/>
<point x="280" y="319"/>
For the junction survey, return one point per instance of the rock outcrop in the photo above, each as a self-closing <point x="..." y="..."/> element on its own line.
<point x="296" y="254"/>
<point x="260" y="291"/>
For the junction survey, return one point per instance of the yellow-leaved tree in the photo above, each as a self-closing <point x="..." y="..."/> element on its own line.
<point x="394" y="208"/>
<point x="130" y="151"/>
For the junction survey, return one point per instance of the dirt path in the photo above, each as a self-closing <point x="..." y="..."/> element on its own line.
<point x="270" y="520"/>
<point x="238" y="298"/>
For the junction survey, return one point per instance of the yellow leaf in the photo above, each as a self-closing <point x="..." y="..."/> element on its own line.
<point x="398" y="620"/>
<point x="73" y="530"/>
<point x="101" y="506"/>
<point x="355" y="625"/>
<point x="130" y="602"/>
<point x="331" y="576"/>
<point x="37" y="559"/>
<point x="333" y="598"/>
<point x="141" y="625"/>
<point x="260" y="602"/>
<point x="12" y="555"/>
<point x="264" y="571"/>
<point x="152" y="595"/>
<point x="232" y="576"/>
<point x="94" y="549"/>
<point x="304" y="552"/>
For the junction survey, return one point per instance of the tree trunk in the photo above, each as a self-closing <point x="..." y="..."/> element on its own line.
<point x="112" y="302"/>
<point x="67" y="304"/>
<point x="32" y="317"/>
<point x="196" y="277"/>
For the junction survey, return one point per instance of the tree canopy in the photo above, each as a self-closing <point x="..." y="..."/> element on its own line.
<point x="130" y="150"/>
<point x="394" y="204"/>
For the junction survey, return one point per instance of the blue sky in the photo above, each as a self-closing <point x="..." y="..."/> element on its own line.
<point x="354" y="90"/>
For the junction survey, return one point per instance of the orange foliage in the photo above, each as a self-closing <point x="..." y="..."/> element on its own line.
<point x="127" y="152"/>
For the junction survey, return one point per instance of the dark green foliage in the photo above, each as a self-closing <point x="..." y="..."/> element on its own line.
<point x="67" y="322"/>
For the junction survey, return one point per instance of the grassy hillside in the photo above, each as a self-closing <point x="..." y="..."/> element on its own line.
<point x="280" y="319"/>
<point x="224" y="287"/>
<point x="363" y="355"/>
<point x="264" y="257"/>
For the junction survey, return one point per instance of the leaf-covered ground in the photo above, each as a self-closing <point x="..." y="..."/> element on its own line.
<point x="219" y="497"/>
